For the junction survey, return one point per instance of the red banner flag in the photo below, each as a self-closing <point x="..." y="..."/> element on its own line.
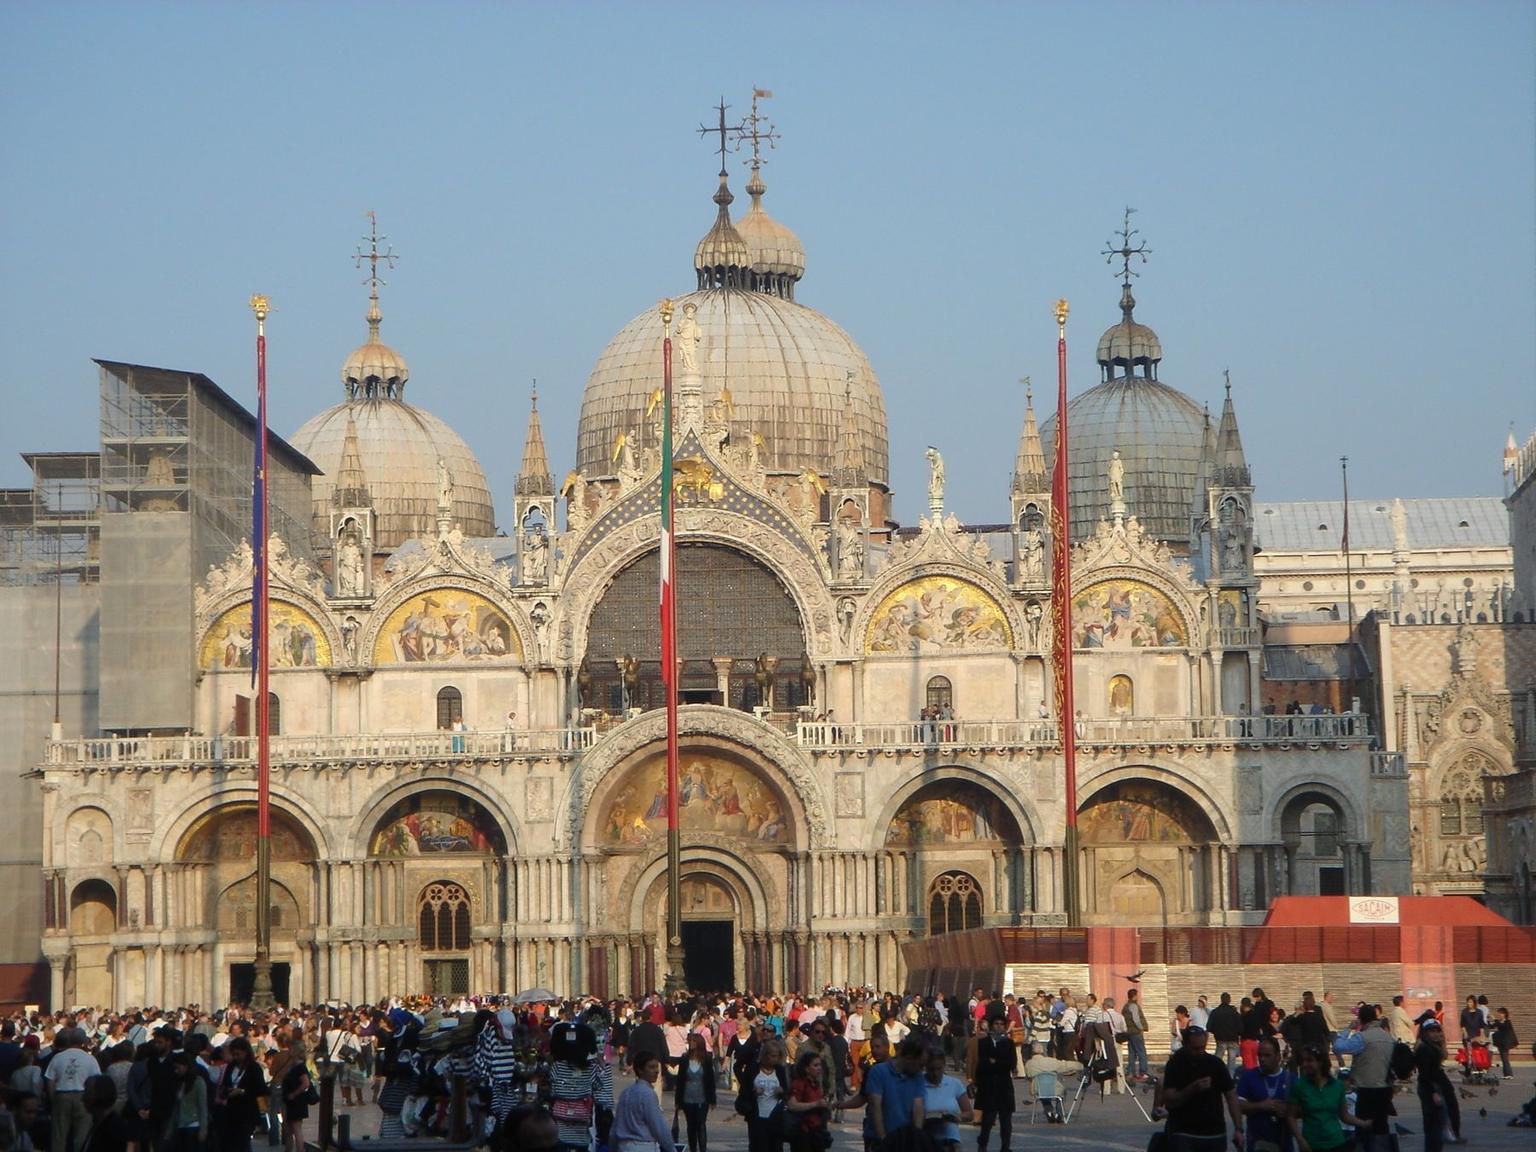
<point x="1061" y="615"/>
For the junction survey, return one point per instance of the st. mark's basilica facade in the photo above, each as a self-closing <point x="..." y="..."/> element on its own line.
<point x="468" y="748"/>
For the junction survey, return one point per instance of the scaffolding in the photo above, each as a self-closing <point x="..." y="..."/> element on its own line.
<point x="51" y="532"/>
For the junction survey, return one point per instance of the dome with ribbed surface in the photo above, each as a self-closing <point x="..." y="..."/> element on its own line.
<point x="785" y="365"/>
<point x="772" y="249"/>
<point x="399" y="446"/>
<point x="1158" y="431"/>
<point x="1129" y="345"/>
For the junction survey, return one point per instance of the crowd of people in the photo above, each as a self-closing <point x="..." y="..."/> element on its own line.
<point x="541" y="1076"/>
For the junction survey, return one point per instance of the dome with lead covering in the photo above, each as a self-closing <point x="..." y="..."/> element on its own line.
<point x="1158" y="431"/>
<point x="786" y="368"/>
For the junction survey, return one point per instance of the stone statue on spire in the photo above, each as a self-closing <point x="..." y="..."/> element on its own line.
<point x="688" y="338"/>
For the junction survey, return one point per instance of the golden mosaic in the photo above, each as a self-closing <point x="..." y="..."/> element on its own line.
<point x="937" y="612"/>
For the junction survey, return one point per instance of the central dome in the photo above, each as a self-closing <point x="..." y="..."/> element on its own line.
<point x="790" y="372"/>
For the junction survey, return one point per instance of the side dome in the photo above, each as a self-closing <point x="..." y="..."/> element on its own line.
<point x="786" y="368"/>
<point x="399" y="446"/>
<point x="1159" y="433"/>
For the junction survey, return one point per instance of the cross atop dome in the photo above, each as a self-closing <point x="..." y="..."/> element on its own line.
<point x="374" y="370"/>
<point x="758" y="129"/>
<point x="1125" y="253"/>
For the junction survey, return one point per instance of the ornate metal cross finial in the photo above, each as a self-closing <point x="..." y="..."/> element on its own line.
<point x="373" y="255"/>
<point x="1125" y="253"/>
<point x="723" y="132"/>
<point x="758" y="129"/>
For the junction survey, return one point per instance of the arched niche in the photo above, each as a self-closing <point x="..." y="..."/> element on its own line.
<point x="447" y="625"/>
<point x="437" y="822"/>
<point x="220" y="850"/>
<point x="1122" y="615"/>
<point x="937" y="613"/>
<point x="1143" y="812"/>
<point x="1149" y="854"/>
<point x="297" y="639"/>
<point x="720" y="795"/>
<point x="92" y="909"/>
<point x="228" y="834"/>
<point x="236" y="914"/>
<point x="952" y="814"/>
<point x="731" y="607"/>
<point x="88" y="838"/>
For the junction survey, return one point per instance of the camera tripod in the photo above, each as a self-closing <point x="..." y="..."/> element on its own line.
<point x="1100" y="1052"/>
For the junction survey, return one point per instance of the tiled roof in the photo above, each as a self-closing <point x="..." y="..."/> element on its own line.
<point x="1313" y="525"/>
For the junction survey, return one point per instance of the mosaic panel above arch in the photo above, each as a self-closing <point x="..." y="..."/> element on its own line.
<point x="1143" y="812"/>
<point x="937" y="612"/>
<point x="437" y="823"/>
<point x="447" y="626"/>
<point x="1123" y="614"/>
<point x="230" y="834"/>
<point x="298" y="640"/>
<point x="716" y="794"/>
<point x="952" y="812"/>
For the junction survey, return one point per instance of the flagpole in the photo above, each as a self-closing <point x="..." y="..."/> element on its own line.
<point x="674" y="981"/>
<point x="262" y="996"/>
<point x="1061" y="615"/>
<point x="1349" y="580"/>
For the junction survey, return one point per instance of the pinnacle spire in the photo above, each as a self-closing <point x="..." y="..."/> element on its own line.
<point x="1231" y="466"/>
<point x="351" y="489"/>
<point x="534" y="478"/>
<point x="850" y="452"/>
<point x="1029" y="465"/>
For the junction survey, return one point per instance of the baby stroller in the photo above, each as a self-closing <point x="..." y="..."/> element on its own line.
<point x="1476" y="1062"/>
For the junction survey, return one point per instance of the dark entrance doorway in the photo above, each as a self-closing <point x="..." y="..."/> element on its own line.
<point x="242" y="982"/>
<point x="709" y="955"/>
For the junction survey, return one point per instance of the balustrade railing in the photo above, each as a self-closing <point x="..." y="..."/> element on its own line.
<point x="150" y="750"/>
<point x="1346" y="726"/>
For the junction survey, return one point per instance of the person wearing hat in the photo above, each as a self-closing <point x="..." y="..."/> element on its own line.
<point x="1437" y="1098"/>
<point x="993" y="1079"/>
<point x="1195" y="1086"/>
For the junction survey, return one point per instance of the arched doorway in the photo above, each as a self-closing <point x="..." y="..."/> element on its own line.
<point x="1150" y="855"/>
<point x="739" y="636"/>
<point x="219" y="854"/>
<point x="953" y="834"/>
<point x="445" y="854"/>
<point x="92" y="920"/>
<point x="1314" y="830"/>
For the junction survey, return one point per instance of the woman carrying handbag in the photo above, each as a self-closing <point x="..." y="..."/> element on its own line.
<point x="695" y="1094"/>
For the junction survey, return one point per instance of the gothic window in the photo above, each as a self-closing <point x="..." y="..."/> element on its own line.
<point x="954" y="903"/>
<point x="941" y="693"/>
<point x="1461" y="798"/>
<point x="274" y="715"/>
<point x="450" y="707"/>
<point x="444" y="918"/>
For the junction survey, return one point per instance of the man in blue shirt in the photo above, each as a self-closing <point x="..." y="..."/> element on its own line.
<point x="1262" y="1094"/>
<point x="890" y="1088"/>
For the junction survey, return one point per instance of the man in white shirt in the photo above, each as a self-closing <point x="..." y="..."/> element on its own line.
<point x="1200" y="1014"/>
<point x="67" y="1073"/>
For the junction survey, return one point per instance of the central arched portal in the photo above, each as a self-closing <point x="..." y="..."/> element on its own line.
<point x="712" y="922"/>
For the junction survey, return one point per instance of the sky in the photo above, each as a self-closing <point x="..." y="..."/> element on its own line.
<point x="1340" y="201"/>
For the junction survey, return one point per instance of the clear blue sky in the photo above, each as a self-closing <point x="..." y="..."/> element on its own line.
<point x="1341" y="200"/>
